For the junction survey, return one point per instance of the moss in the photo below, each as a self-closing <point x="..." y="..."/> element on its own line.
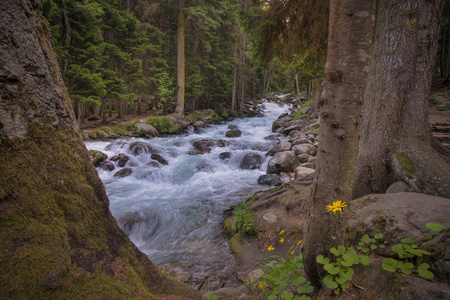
<point x="59" y="240"/>
<point x="235" y="244"/>
<point x="406" y="163"/>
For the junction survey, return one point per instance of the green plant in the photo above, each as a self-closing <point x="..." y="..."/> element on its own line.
<point x="216" y="118"/>
<point x="410" y="256"/>
<point x="131" y="125"/>
<point x="195" y="116"/>
<point x="443" y="108"/>
<point x="340" y="271"/>
<point x="433" y="100"/>
<point x="212" y="297"/>
<point x="366" y="243"/>
<point x="284" y="277"/>
<point x="244" y="219"/>
<point x="163" y="124"/>
<point x="121" y="129"/>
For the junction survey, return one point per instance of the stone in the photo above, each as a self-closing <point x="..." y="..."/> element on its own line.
<point x="137" y="148"/>
<point x="304" y="158"/>
<point x="274" y="149"/>
<point x="251" y="161"/>
<point x="285" y="146"/>
<point x="203" y="146"/>
<point x="199" y="124"/>
<point x="272" y="137"/>
<point x="221" y="143"/>
<point x="93" y="117"/>
<point x="312" y="132"/>
<point x="280" y="123"/>
<point x="106" y="165"/>
<point x="308" y="165"/>
<point x="232" y="127"/>
<point x="121" y="159"/>
<point x="398" y="187"/>
<point x="305" y="149"/>
<point x="225" y="155"/>
<point x="304" y="174"/>
<point x="146" y="129"/>
<point x="234" y="133"/>
<point x="285" y="161"/>
<point x="159" y="159"/>
<point x="145" y="218"/>
<point x="97" y="157"/>
<point x="254" y="275"/>
<point x="123" y="172"/>
<point x="299" y="141"/>
<point x="269" y="179"/>
<point x="154" y="164"/>
<point x="270" y="218"/>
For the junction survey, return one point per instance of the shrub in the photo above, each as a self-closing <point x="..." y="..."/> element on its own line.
<point x="244" y="219"/>
<point x="163" y="124"/>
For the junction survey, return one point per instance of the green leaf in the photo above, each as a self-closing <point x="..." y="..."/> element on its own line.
<point x="347" y="260"/>
<point x="341" y="280"/>
<point x="389" y="264"/>
<point x="330" y="268"/>
<point x="435" y="226"/>
<point x="366" y="239"/>
<point x="361" y="243"/>
<point x="272" y="297"/>
<point x="309" y="289"/>
<point x="334" y="251"/>
<point x="407" y="240"/>
<point x="381" y="246"/>
<point x="329" y="282"/>
<point x="349" y="274"/>
<point x="424" y="266"/>
<point x="406" y="268"/>
<point x="321" y="260"/>
<point x="422" y="269"/>
<point x="399" y="250"/>
<point x="341" y="250"/>
<point x="287" y="295"/>
<point x="378" y="236"/>
<point x="365" y="250"/>
<point x="373" y="247"/>
<point x="365" y="260"/>
<point x="345" y="286"/>
<point x="299" y="280"/>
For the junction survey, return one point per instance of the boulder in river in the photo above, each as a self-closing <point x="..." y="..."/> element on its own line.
<point x="144" y="223"/>
<point x="159" y="159"/>
<point x="140" y="147"/>
<point x="97" y="157"/>
<point x="234" y="133"/>
<point x="251" y="161"/>
<point x="124" y="172"/>
<point x="232" y="127"/>
<point x="146" y="129"/>
<point x="203" y="146"/>
<point x="221" y="143"/>
<point x="106" y="165"/>
<point x="121" y="159"/>
<point x="285" y="161"/>
<point x="270" y="179"/>
<point x="225" y="155"/>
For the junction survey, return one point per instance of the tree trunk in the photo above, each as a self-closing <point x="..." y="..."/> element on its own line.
<point x="395" y="142"/>
<point x="58" y="237"/>
<point x="138" y="104"/>
<point x="297" y="85"/>
<point x="233" y="92"/>
<point x="180" y="61"/>
<point x="317" y="93"/>
<point x="350" y="32"/>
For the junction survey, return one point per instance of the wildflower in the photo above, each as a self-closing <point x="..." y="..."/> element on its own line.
<point x="299" y="242"/>
<point x="292" y="252"/>
<point x="281" y="240"/>
<point x="262" y="284"/>
<point x="271" y="248"/>
<point x="282" y="231"/>
<point x="337" y="206"/>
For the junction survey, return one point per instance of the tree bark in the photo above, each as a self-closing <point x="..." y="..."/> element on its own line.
<point x="316" y="96"/>
<point x="58" y="237"/>
<point x="180" y="61"/>
<point x="351" y="30"/>
<point x="395" y="141"/>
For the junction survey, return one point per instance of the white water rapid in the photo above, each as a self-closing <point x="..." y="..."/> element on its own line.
<point x="173" y="213"/>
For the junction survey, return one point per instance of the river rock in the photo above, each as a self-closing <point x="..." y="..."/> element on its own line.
<point x="97" y="157"/>
<point x="270" y="179"/>
<point x="274" y="149"/>
<point x="154" y="164"/>
<point x="203" y="146"/>
<point x="285" y="161"/>
<point x="234" y="133"/>
<point x="282" y="116"/>
<point x="312" y="132"/>
<point x="251" y="161"/>
<point x="144" y="222"/>
<point x="232" y="127"/>
<point x="308" y="165"/>
<point x="304" y="174"/>
<point x="221" y="143"/>
<point x="159" y="159"/>
<point x="140" y="147"/>
<point x="146" y="129"/>
<point x="225" y="155"/>
<point x="121" y="159"/>
<point x="301" y="140"/>
<point x="124" y="172"/>
<point x="280" y="123"/>
<point x="106" y="165"/>
<point x="305" y="149"/>
<point x="272" y="137"/>
<point x="270" y="218"/>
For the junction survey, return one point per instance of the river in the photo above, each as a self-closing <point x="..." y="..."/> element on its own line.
<point x="176" y="210"/>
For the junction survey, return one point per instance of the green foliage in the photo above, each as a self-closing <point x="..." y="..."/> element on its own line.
<point x="366" y="243"/>
<point x="163" y="124"/>
<point x="193" y="117"/>
<point x="217" y="118"/>
<point x="244" y="219"/>
<point x="433" y="100"/>
<point x="212" y="297"/>
<point x="284" y="277"/>
<point x="443" y="108"/>
<point x="341" y="268"/>
<point x="132" y="124"/>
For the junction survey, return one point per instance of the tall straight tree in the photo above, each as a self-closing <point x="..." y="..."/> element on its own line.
<point x="58" y="237"/>
<point x="181" y="62"/>
<point x="350" y="33"/>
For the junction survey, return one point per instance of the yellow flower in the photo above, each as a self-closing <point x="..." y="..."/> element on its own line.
<point x="292" y="252"/>
<point x="261" y="285"/>
<point x="299" y="242"/>
<point x="281" y="240"/>
<point x="271" y="248"/>
<point x="282" y="231"/>
<point x="337" y="206"/>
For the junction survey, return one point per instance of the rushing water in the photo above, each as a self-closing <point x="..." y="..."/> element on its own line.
<point x="176" y="210"/>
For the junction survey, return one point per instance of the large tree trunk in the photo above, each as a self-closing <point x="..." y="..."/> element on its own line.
<point x="58" y="238"/>
<point x="395" y="142"/>
<point x="180" y="61"/>
<point x="351" y="25"/>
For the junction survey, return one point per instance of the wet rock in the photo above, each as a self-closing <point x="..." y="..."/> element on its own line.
<point x="229" y="227"/>
<point x="280" y="123"/>
<point x="106" y="165"/>
<point x="146" y="129"/>
<point x="275" y="149"/>
<point x="159" y="159"/>
<point x="285" y="161"/>
<point x="251" y="161"/>
<point x="97" y="157"/>
<point x="303" y="174"/>
<point x="203" y="146"/>
<point x="199" y="124"/>
<point x="234" y="133"/>
<point x="225" y="155"/>
<point x="124" y="172"/>
<point x="283" y="115"/>
<point x="272" y="137"/>
<point x="221" y="143"/>
<point x="145" y="223"/>
<point x="137" y="148"/>
<point x="121" y="159"/>
<point x="232" y="127"/>
<point x="270" y="179"/>
<point x="290" y="128"/>
<point x="305" y="149"/>
<point x="154" y="164"/>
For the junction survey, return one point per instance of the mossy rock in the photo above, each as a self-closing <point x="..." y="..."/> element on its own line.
<point x="229" y="228"/>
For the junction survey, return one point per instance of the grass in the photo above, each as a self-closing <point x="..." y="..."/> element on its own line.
<point x="163" y="124"/>
<point x="297" y="115"/>
<point x="193" y="117"/>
